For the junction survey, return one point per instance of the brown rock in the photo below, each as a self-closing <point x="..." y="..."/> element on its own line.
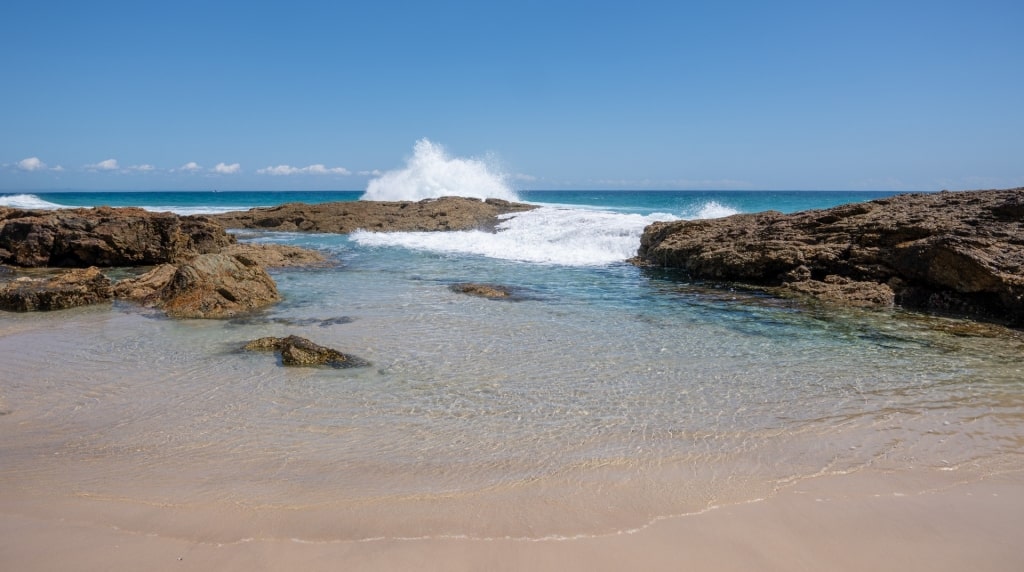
<point x="482" y="290"/>
<point x="960" y="252"/>
<point x="78" y="287"/>
<point x="277" y="255"/>
<point x="446" y="213"/>
<point x="207" y="286"/>
<point x="837" y="289"/>
<point x="104" y="237"/>
<point x="146" y="288"/>
<point x="296" y="351"/>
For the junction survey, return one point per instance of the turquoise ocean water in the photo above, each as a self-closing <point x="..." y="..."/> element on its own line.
<point x="603" y="398"/>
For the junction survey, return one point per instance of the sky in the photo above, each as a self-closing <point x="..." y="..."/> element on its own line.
<point x="892" y="95"/>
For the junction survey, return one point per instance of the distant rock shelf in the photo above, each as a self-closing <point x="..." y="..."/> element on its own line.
<point x="446" y="213"/>
<point x="952" y="252"/>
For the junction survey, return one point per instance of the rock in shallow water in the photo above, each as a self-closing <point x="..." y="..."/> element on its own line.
<point x="207" y="286"/>
<point x="104" y="236"/>
<point x="297" y="351"/>
<point x="79" y="287"/>
<point x="952" y="252"/>
<point x="482" y="290"/>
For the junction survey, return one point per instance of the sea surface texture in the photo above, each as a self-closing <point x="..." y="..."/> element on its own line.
<point x="599" y="398"/>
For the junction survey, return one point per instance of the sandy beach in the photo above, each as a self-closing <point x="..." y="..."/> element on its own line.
<point x="908" y="521"/>
<point x="456" y="286"/>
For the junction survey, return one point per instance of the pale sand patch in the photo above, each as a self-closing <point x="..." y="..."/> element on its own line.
<point x="910" y="521"/>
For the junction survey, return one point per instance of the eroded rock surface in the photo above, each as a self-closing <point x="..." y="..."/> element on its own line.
<point x="206" y="286"/>
<point x="105" y="237"/>
<point x="70" y="289"/>
<point x="277" y="255"/>
<point x="959" y="252"/>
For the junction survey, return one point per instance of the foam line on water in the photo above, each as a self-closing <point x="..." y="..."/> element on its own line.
<point x="570" y="237"/>
<point x="26" y="201"/>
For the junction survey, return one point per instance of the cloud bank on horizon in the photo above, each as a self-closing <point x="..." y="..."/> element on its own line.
<point x="659" y="95"/>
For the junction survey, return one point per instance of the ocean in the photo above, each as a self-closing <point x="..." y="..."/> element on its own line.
<point x="602" y="398"/>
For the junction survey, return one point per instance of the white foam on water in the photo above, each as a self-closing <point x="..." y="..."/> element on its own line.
<point x="194" y="210"/>
<point x="431" y="173"/>
<point x="547" y="235"/>
<point x="710" y="209"/>
<point x="27" y="201"/>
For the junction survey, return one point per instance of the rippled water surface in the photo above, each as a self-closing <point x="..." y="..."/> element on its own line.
<point x="599" y="398"/>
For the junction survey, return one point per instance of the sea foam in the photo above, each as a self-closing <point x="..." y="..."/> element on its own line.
<point x="547" y="235"/>
<point x="431" y="173"/>
<point x="710" y="209"/>
<point x="26" y="201"/>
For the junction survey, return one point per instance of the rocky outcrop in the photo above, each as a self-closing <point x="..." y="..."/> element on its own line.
<point x="201" y="271"/>
<point x="105" y="237"/>
<point x="296" y="351"/>
<point x="446" y="213"/>
<point x="78" y="287"/>
<point x="959" y="252"/>
<point x="207" y="286"/>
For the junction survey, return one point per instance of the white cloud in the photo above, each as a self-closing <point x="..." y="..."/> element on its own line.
<point x="523" y="177"/>
<point x="225" y="169"/>
<point x="58" y="168"/>
<point x="107" y="165"/>
<point x="190" y="167"/>
<point x="141" y="168"/>
<point x="317" y="169"/>
<point x="373" y="173"/>
<point x="31" y="164"/>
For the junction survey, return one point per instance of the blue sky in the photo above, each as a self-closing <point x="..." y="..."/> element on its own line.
<point x="588" y="95"/>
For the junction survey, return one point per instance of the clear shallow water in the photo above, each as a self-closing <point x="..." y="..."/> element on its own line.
<point x="605" y="397"/>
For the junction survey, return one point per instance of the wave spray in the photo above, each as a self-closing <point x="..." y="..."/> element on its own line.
<point x="430" y="173"/>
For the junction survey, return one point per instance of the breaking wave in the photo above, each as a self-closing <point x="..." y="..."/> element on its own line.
<point x="431" y="173"/>
<point x="25" y="201"/>
<point x="547" y="235"/>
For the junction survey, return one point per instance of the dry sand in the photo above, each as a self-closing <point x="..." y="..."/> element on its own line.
<point x="915" y="520"/>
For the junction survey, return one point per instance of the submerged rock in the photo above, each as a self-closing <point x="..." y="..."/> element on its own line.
<point x="297" y="351"/>
<point x="322" y="322"/>
<point x="959" y="252"/>
<point x="482" y="290"/>
<point x="446" y="213"/>
<point x="78" y="287"/>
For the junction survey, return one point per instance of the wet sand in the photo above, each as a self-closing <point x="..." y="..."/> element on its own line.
<point x="907" y="521"/>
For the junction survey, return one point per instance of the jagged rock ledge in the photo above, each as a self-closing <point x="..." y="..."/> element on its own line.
<point x="953" y="252"/>
<point x="104" y="237"/>
<point x="200" y="270"/>
<point x="446" y="213"/>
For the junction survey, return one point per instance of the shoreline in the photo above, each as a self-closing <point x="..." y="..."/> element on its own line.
<point x="136" y="442"/>
<point x="908" y="520"/>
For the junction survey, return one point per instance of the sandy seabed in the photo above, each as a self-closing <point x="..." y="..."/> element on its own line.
<point x="134" y="443"/>
<point x="912" y="520"/>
